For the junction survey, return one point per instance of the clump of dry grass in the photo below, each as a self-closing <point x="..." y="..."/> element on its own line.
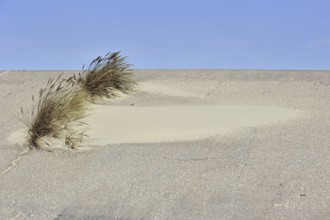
<point x="107" y="76"/>
<point x="60" y="104"/>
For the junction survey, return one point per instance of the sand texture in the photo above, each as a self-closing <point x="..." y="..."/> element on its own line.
<point x="190" y="144"/>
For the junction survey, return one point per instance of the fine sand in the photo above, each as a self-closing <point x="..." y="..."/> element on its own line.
<point x="189" y="144"/>
<point x="113" y="124"/>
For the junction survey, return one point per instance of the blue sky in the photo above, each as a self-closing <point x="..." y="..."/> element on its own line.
<point x="171" y="34"/>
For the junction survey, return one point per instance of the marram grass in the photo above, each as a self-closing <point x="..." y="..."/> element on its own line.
<point x="62" y="103"/>
<point x="107" y="77"/>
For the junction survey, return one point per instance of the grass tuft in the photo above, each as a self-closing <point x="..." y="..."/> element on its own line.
<point x="107" y="76"/>
<point x="60" y="104"/>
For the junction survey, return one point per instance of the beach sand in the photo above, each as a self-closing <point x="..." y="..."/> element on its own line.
<point x="153" y="124"/>
<point x="113" y="124"/>
<point x="189" y="144"/>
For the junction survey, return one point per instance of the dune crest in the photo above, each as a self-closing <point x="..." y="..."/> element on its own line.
<point x="155" y="88"/>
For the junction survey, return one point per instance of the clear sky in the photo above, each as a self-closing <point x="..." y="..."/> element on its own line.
<point x="168" y="34"/>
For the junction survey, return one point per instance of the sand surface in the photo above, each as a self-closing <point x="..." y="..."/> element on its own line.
<point x="153" y="124"/>
<point x="190" y="144"/>
<point x="114" y="124"/>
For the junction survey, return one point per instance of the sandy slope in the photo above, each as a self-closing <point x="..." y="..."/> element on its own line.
<point x="191" y="144"/>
